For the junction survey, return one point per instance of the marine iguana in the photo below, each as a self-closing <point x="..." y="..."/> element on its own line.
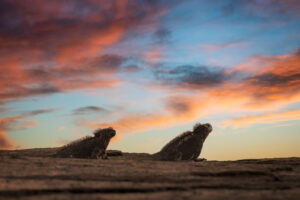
<point x="186" y="146"/>
<point x="88" y="147"/>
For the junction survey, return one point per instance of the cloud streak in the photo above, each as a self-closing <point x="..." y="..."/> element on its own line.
<point x="218" y="47"/>
<point x="266" y="118"/>
<point x="88" y="110"/>
<point x="262" y="10"/>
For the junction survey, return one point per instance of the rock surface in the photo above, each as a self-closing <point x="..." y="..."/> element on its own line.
<point x="34" y="174"/>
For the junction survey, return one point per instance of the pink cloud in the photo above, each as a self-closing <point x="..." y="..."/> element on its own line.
<point x="29" y="124"/>
<point x="61" y="128"/>
<point x="154" y="55"/>
<point x="57" y="46"/>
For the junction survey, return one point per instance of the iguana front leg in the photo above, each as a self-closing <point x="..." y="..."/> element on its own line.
<point x="104" y="155"/>
<point x="99" y="153"/>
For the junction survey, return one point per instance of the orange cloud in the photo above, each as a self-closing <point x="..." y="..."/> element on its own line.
<point x="266" y="118"/>
<point x="266" y="83"/>
<point x="5" y="143"/>
<point x="61" y="128"/>
<point x="8" y="120"/>
<point x="264" y="89"/>
<point x="5" y="123"/>
<point x="179" y="110"/>
<point x="29" y="124"/>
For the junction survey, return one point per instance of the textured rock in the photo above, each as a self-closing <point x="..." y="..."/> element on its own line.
<point x="34" y="174"/>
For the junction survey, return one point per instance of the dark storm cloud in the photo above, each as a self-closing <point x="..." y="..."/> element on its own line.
<point x="193" y="76"/>
<point x="88" y="109"/>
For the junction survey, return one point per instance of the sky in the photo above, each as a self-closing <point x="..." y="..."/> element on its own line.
<point x="151" y="70"/>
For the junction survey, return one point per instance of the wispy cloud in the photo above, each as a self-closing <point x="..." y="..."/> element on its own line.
<point x="9" y="123"/>
<point x="218" y="47"/>
<point x="28" y="124"/>
<point x="154" y="54"/>
<point x="88" y="110"/>
<point x="38" y="112"/>
<point x="61" y="128"/>
<point x="266" y="118"/>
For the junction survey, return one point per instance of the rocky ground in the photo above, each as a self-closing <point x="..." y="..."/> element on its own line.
<point x="34" y="174"/>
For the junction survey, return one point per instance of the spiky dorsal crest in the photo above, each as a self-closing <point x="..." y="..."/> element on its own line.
<point x="80" y="140"/>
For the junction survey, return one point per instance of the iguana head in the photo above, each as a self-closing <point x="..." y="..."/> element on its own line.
<point x="202" y="129"/>
<point x="108" y="132"/>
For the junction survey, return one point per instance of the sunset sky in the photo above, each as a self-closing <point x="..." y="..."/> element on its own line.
<point x="151" y="70"/>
